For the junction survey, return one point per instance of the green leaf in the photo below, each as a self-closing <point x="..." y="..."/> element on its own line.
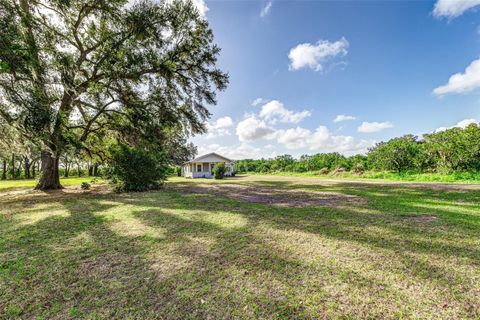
<point x="4" y="67"/>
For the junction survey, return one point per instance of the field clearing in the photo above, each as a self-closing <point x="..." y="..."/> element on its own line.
<point x="7" y="185"/>
<point x="247" y="247"/>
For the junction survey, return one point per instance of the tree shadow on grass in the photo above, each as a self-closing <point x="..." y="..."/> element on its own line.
<point x="242" y="249"/>
<point x="198" y="269"/>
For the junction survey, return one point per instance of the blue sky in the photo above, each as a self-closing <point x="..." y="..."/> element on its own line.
<point x="386" y="68"/>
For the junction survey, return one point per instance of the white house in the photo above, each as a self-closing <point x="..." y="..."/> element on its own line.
<point x="202" y="167"/>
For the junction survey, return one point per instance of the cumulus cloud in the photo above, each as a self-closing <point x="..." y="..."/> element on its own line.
<point x="274" y="111"/>
<point x="293" y="138"/>
<point x="252" y="128"/>
<point x="314" y="56"/>
<point x="266" y="9"/>
<point x="464" y="82"/>
<point x="461" y="124"/>
<point x="369" y="127"/>
<point x="342" y="117"/>
<point x="262" y="126"/>
<point x="240" y="151"/>
<point x="321" y="140"/>
<point x="453" y="8"/>
<point x="219" y="128"/>
<point x="258" y="101"/>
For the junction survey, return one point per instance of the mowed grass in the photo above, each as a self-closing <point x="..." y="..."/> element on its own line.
<point x="404" y="251"/>
<point x="6" y="185"/>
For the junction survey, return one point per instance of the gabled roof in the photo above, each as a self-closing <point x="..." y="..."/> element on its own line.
<point x="199" y="159"/>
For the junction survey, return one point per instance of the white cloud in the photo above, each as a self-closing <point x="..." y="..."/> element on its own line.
<point x="462" y="82"/>
<point x="238" y="152"/>
<point x="461" y="124"/>
<point x="342" y="117"/>
<point x="252" y="128"/>
<point x="453" y="8"/>
<point x="274" y="111"/>
<point x="322" y="140"/>
<point x="266" y="9"/>
<point x="224" y="122"/>
<point x="220" y="127"/>
<point x="201" y="7"/>
<point x="464" y="123"/>
<point x="258" y="101"/>
<point x="262" y="126"/>
<point x="369" y="127"/>
<point x="315" y="55"/>
<point x="293" y="138"/>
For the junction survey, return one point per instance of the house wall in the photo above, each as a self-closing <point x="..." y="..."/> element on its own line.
<point x="190" y="169"/>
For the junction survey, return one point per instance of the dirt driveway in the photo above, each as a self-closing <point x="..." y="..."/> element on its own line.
<point x="272" y="196"/>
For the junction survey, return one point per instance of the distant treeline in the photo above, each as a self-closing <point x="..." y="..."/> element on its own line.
<point x="451" y="150"/>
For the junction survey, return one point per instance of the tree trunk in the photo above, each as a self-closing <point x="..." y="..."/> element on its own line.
<point x="90" y="170"/>
<point x="19" y="169"/>
<point x="4" y="171"/>
<point x="65" y="174"/>
<point x="49" y="177"/>
<point x="79" y="172"/>
<point x="12" y="169"/>
<point x="33" y="169"/>
<point x="95" y="169"/>
<point x="27" y="166"/>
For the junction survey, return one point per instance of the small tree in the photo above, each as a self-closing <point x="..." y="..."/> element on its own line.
<point x="397" y="154"/>
<point x="136" y="169"/>
<point x="219" y="170"/>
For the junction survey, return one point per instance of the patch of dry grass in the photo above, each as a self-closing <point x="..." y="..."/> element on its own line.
<point x="194" y="250"/>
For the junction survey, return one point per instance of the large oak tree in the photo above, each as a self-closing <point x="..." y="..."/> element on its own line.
<point x="72" y="68"/>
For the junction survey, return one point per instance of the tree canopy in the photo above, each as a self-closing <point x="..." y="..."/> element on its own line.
<point x="141" y="74"/>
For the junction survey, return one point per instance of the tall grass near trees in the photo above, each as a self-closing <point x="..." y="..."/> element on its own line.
<point x="455" y="177"/>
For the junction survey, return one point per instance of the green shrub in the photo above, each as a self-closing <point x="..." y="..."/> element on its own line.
<point x="136" y="169"/>
<point x="219" y="170"/>
<point x="85" y="185"/>
<point x="178" y="171"/>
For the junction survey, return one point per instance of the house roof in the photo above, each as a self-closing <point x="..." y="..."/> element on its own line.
<point x="199" y="159"/>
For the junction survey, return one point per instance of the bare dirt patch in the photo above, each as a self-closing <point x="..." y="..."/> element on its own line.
<point x="273" y="196"/>
<point x="361" y="182"/>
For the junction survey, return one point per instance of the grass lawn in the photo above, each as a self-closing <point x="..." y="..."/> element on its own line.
<point x="249" y="247"/>
<point x="7" y="185"/>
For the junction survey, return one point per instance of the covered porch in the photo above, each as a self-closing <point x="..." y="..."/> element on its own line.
<point x="199" y="169"/>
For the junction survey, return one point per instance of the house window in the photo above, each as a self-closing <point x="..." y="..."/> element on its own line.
<point x="199" y="168"/>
